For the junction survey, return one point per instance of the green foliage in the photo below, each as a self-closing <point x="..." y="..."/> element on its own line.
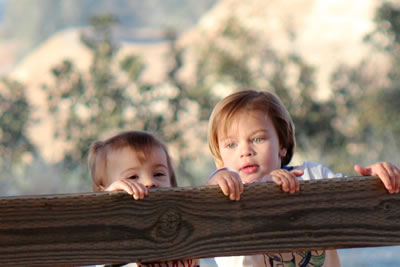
<point x="14" y="122"/>
<point x="367" y="99"/>
<point x="387" y="20"/>
<point x="132" y="66"/>
<point x="111" y="97"/>
<point x="86" y="104"/>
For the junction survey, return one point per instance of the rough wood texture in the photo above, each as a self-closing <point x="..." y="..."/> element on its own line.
<point x="94" y="228"/>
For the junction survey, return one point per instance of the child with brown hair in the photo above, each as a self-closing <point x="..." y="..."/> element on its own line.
<point x="133" y="161"/>
<point x="252" y="139"/>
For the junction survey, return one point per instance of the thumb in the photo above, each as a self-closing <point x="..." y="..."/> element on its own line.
<point x="361" y="170"/>
<point x="298" y="172"/>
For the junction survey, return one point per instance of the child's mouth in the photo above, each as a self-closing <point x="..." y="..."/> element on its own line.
<point x="249" y="169"/>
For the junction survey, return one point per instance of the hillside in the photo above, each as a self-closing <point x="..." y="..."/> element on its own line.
<point x="32" y="22"/>
<point x="35" y="70"/>
<point x="327" y="32"/>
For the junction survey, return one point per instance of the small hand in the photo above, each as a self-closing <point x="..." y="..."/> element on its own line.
<point x="387" y="172"/>
<point x="229" y="182"/>
<point x="138" y="190"/>
<point x="287" y="179"/>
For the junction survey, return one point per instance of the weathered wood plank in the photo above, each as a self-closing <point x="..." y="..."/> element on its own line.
<point x="95" y="228"/>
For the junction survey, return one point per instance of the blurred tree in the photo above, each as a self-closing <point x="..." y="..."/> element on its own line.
<point x="368" y="95"/>
<point x="112" y="97"/>
<point x="15" y="110"/>
<point x="86" y="104"/>
<point x="388" y="24"/>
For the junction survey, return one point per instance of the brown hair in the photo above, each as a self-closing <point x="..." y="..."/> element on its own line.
<point x="141" y="142"/>
<point x="251" y="100"/>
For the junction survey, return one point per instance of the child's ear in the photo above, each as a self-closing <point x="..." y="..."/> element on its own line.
<point x="282" y="152"/>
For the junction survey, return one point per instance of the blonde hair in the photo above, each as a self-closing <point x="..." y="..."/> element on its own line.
<point x="250" y="100"/>
<point x="140" y="142"/>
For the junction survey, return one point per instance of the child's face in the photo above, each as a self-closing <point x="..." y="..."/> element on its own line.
<point x="124" y="164"/>
<point x="251" y="146"/>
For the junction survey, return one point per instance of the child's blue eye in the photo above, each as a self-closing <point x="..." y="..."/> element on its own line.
<point x="258" y="140"/>
<point x="231" y="145"/>
<point x="160" y="174"/>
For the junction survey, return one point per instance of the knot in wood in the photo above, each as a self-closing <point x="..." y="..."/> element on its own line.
<point x="309" y="235"/>
<point x="168" y="224"/>
<point x="387" y="206"/>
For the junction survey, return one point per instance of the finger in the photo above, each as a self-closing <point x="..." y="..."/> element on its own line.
<point x="276" y="179"/>
<point x="285" y="183"/>
<point x="297" y="173"/>
<point x="362" y="171"/>
<point x="224" y="187"/>
<point x="240" y="185"/>
<point x="389" y="171"/>
<point x="144" y="191"/>
<point x="383" y="175"/>
<point x="120" y="185"/>
<point x="292" y="182"/>
<point x="397" y="178"/>
<point x="232" y="188"/>
<point x="138" y="192"/>
<point x="237" y="182"/>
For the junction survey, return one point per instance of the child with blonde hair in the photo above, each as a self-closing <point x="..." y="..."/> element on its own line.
<point x="133" y="161"/>
<point x="252" y="139"/>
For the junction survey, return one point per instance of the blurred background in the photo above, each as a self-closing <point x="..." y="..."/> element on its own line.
<point x="75" y="71"/>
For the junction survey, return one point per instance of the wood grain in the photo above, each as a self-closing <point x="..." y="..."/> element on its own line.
<point x="196" y="222"/>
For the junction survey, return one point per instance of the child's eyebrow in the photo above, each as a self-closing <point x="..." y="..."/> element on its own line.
<point x="130" y="169"/>
<point x="259" y="131"/>
<point x="225" y="139"/>
<point x="160" y="165"/>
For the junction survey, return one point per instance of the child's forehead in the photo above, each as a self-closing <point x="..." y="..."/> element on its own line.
<point x="230" y="124"/>
<point x="141" y="153"/>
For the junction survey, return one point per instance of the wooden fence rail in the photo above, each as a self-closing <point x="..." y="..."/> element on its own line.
<point x="95" y="228"/>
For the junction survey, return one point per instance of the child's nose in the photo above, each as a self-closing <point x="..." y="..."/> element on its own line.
<point x="149" y="182"/>
<point x="246" y="150"/>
